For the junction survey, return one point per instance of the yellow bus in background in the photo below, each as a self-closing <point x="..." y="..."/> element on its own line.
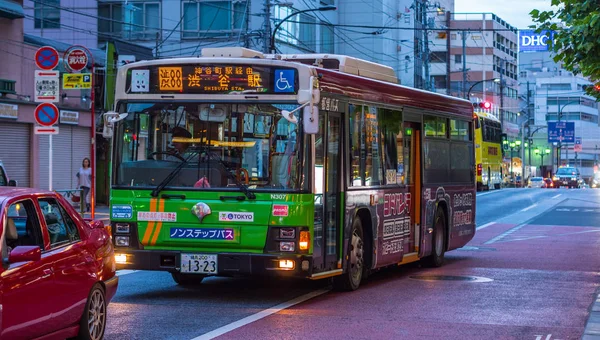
<point x="488" y="151"/>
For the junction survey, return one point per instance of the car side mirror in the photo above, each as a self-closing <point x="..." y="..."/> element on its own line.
<point x="12" y="183"/>
<point x="25" y="254"/>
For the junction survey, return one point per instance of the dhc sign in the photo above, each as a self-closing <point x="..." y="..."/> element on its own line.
<point x="529" y="41"/>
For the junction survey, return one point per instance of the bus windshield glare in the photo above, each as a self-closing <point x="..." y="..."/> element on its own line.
<point x="221" y="146"/>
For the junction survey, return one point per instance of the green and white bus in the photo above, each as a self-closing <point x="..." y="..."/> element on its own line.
<point x="311" y="166"/>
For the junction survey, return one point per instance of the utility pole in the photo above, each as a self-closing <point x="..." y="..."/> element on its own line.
<point x="267" y="31"/>
<point x="529" y="139"/>
<point x="426" y="45"/>
<point x="157" y="54"/>
<point x="464" y="64"/>
<point x="502" y="95"/>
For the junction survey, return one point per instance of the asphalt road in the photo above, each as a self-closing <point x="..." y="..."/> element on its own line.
<point x="530" y="272"/>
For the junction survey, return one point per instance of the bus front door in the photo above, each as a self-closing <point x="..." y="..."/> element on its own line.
<point x="327" y="198"/>
<point x="412" y="163"/>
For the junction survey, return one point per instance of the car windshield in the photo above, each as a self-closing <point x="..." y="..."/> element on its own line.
<point x="567" y="171"/>
<point x="222" y="145"/>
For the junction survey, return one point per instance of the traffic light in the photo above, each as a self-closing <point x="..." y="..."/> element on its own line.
<point x="482" y="105"/>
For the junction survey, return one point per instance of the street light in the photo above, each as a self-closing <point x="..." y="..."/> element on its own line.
<point x="513" y="145"/>
<point x="495" y="80"/>
<point x="320" y="9"/>
<point x="538" y="152"/>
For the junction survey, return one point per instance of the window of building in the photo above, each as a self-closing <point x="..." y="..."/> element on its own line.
<point x="212" y="18"/>
<point x="134" y="20"/>
<point x="46" y="14"/>
<point x="458" y="58"/>
<point x="440" y="81"/>
<point x="327" y="41"/>
<point x="438" y="57"/>
<point x="297" y="30"/>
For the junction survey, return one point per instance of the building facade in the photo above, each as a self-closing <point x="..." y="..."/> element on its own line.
<point x="480" y="63"/>
<point x="74" y="22"/>
<point x="24" y="153"/>
<point x="553" y="92"/>
<point x="183" y="28"/>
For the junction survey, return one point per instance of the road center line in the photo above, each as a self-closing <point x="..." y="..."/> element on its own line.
<point x="260" y="315"/>
<point x="485" y="225"/>
<point x="530" y="207"/>
<point x="557" y="196"/>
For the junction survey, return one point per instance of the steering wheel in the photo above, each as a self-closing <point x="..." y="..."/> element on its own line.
<point x="238" y="174"/>
<point x="166" y="153"/>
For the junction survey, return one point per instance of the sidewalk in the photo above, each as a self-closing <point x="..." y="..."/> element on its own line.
<point x="102" y="213"/>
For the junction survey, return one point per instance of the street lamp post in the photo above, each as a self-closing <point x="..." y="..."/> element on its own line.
<point x="320" y="9"/>
<point x="539" y="152"/>
<point x="513" y="145"/>
<point x="495" y="80"/>
<point x="559" y="146"/>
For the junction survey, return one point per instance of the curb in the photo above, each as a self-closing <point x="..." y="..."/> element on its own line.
<point x="592" y="326"/>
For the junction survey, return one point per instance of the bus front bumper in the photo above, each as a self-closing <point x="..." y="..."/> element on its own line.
<point x="228" y="264"/>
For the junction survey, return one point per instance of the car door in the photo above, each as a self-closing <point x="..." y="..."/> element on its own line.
<point x="72" y="264"/>
<point x="26" y="286"/>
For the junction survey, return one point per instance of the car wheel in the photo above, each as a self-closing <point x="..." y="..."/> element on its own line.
<point x="187" y="279"/>
<point x="436" y="259"/>
<point x="93" y="320"/>
<point x="355" y="268"/>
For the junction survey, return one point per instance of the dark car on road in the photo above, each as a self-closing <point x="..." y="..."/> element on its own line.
<point x="567" y="177"/>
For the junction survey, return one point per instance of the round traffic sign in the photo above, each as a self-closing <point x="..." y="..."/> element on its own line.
<point x="46" y="114"/>
<point x="46" y="58"/>
<point x="76" y="59"/>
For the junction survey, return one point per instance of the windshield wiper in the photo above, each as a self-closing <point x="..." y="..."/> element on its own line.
<point x="172" y="175"/>
<point x="242" y="186"/>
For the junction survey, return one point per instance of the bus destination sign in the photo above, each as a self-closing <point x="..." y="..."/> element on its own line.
<point x="212" y="79"/>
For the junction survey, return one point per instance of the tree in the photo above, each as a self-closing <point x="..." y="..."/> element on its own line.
<point x="576" y="40"/>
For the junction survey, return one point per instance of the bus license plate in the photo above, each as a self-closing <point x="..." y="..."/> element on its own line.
<point x="199" y="263"/>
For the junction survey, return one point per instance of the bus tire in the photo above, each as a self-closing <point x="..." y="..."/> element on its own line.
<point x="436" y="259"/>
<point x="187" y="279"/>
<point x="355" y="268"/>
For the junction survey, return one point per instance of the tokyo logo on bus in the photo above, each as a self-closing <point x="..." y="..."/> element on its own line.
<point x="212" y="79"/>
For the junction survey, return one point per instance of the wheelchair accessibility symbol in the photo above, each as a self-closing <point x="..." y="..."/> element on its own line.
<point x="284" y="81"/>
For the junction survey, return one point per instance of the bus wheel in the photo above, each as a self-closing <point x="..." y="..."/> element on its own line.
<point x="350" y="280"/>
<point x="436" y="259"/>
<point x="187" y="279"/>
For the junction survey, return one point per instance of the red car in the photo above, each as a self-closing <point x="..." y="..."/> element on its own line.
<point x="58" y="270"/>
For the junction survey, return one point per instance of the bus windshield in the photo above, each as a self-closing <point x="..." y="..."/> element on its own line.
<point x="220" y="146"/>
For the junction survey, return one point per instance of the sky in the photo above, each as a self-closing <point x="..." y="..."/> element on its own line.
<point x="514" y="12"/>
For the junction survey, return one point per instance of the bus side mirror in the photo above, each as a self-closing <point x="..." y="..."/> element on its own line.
<point x="310" y="120"/>
<point x="109" y="120"/>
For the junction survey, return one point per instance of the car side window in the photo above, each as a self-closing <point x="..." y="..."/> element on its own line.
<point x="61" y="227"/>
<point x="22" y="225"/>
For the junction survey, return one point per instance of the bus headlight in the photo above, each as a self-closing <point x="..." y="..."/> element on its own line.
<point x="122" y="241"/>
<point x="122" y="228"/>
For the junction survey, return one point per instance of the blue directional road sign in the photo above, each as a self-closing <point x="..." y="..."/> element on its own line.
<point x="563" y="132"/>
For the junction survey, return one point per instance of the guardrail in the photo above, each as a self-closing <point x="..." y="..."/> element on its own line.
<point x="75" y="197"/>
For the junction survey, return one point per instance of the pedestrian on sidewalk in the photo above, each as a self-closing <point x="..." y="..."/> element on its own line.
<point x="84" y="181"/>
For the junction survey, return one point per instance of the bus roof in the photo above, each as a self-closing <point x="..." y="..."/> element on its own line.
<point x="373" y="90"/>
<point x="486" y="115"/>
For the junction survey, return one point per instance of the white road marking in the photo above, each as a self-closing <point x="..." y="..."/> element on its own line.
<point x="260" y="315"/>
<point x="485" y="225"/>
<point x="488" y="193"/>
<point x="557" y="196"/>
<point x="506" y="233"/>
<point x="123" y="272"/>
<point x="530" y="207"/>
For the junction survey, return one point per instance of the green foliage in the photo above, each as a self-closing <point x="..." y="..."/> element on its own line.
<point x="576" y="27"/>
